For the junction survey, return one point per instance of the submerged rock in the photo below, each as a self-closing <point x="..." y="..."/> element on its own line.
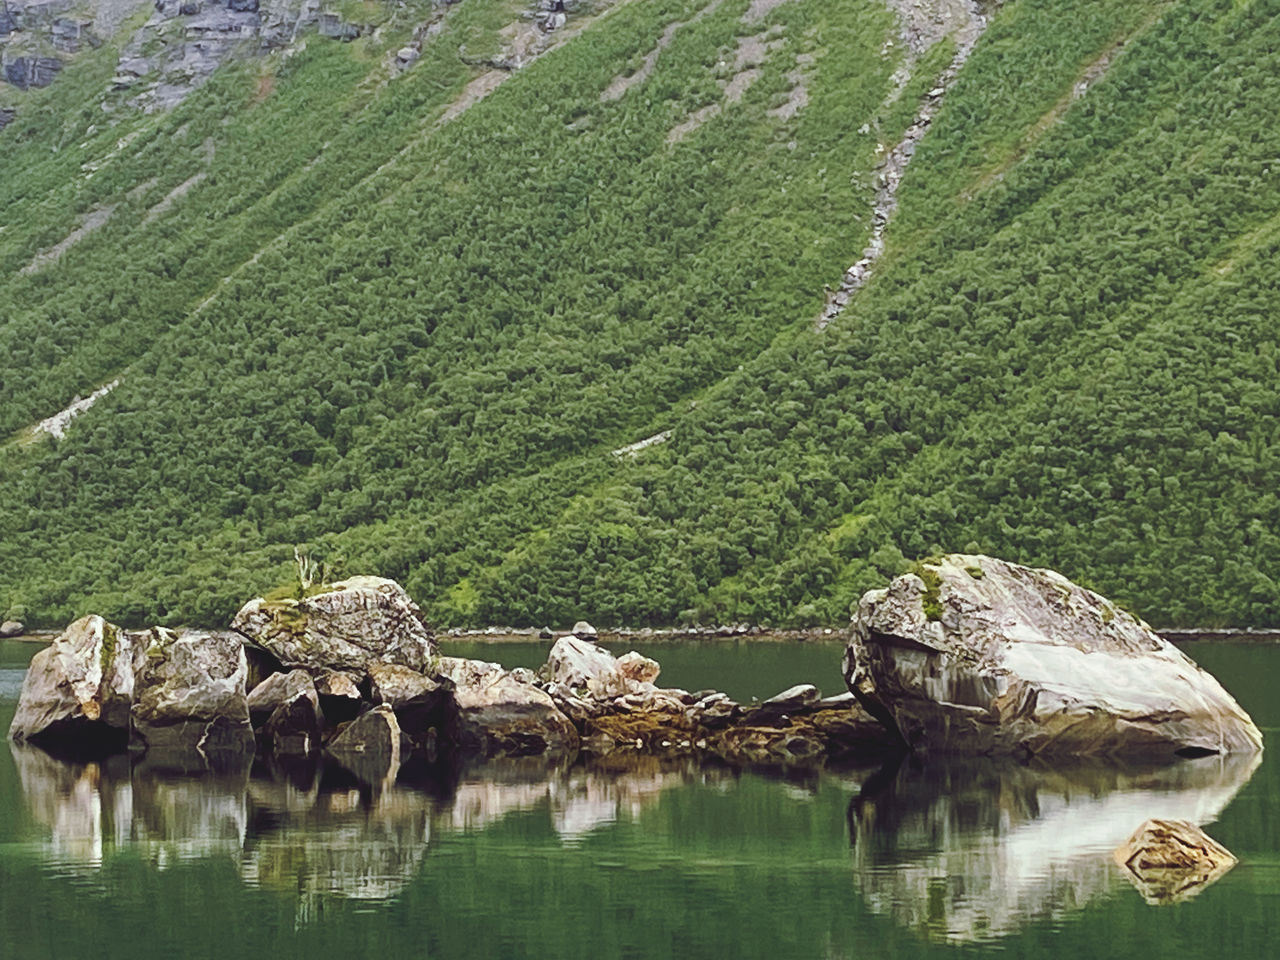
<point x="189" y="703"/>
<point x="975" y="655"/>
<point x="78" y="690"/>
<point x="345" y="627"/>
<point x="1172" y="860"/>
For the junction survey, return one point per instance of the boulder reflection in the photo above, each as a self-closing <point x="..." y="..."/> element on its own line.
<point x="312" y="831"/>
<point x="974" y="851"/>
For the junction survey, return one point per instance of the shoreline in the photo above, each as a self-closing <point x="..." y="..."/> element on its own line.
<point x="737" y="632"/>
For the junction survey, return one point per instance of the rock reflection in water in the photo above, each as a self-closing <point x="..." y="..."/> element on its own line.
<point x="975" y="851"/>
<point x="315" y="832"/>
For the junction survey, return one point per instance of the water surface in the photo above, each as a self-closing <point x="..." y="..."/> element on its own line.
<point x="632" y="860"/>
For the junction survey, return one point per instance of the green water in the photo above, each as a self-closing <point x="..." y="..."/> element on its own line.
<point x="633" y="862"/>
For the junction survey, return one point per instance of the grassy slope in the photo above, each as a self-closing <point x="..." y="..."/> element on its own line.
<point x="430" y="338"/>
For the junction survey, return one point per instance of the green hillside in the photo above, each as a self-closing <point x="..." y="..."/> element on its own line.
<point x="372" y="313"/>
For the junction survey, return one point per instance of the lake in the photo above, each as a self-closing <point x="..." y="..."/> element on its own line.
<point x="635" y="859"/>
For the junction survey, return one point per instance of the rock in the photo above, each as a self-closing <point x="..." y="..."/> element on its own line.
<point x="276" y="691"/>
<point x="407" y="57"/>
<point x="1172" y="860"/>
<point x="546" y="634"/>
<point x="974" y="655"/>
<point x="294" y="728"/>
<point x="584" y="631"/>
<point x="189" y="705"/>
<point x="370" y="746"/>
<point x="498" y="714"/>
<point x="633" y="666"/>
<point x="795" y="698"/>
<point x="347" y="626"/>
<point x="425" y="707"/>
<point x="393" y="684"/>
<point x="78" y="691"/>
<point x="575" y="663"/>
<point x="7" y="116"/>
<point x="27" y="72"/>
<point x="334" y="27"/>
<point x="340" y="696"/>
<point x="10" y="628"/>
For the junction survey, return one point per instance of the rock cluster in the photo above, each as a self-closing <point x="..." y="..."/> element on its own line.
<point x="974" y="655"/>
<point x="353" y="671"/>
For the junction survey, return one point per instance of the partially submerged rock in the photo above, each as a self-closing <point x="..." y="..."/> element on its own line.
<point x="189" y="703"/>
<point x="11" y="628"/>
<point x="278" y="690"/>
<point x="78" y="690"/>
<point x="344" y="627"/>
<point x="1172" y="860"/>
<point x="370" y="746"/>
<point x="975" y="655"/>
<point x="501" y="714"/>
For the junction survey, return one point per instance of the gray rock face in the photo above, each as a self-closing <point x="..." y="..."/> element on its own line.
<point x="393" y="684"/>
<point x="27" y="72"/>
<point x="189" y="700"/>
<point x="499" y="714"/>
<point x="583" y="630"/>
<point x="10" y="628"/>
<point x="353" y="623"/>
<point x="78" y="690"/>
<point x="979" y="656"/>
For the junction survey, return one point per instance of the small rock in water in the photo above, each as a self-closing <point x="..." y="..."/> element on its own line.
<point x="584" y="631"/>
<point x="11" y="628"/>
<point x="1169" y="861"/>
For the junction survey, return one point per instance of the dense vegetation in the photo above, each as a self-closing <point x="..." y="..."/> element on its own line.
<point x="413" y="344"/>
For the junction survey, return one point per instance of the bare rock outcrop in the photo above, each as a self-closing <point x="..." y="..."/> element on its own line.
<point x="974" y="655"/>
<point x="78" y="690"/>
<point x="501" y="712"/>
<point x="189" y="705"/>
<point x="346" y="626"/>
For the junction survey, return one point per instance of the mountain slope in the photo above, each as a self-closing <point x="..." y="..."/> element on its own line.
<point x="408" y="325"/>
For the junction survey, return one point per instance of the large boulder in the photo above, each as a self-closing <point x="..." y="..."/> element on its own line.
<point x="591" y="671"/>
<point x="344" y="627"/>
<point x="189" y="706"/>
<point x="78" y="690"/>
<point x="973" y="655"/>
<point x="500" y="713"/>
<point x="11" y="628"/>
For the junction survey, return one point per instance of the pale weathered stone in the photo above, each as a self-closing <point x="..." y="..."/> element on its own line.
<point x="394" y="684"/>
<point x="278" y="690"/>
<point x="575" y="662"/>
<point x="78" y="690"/>
<point x="635" y="667"/>
<point x="189" y="701"/>
<point x="499" y="714"/>
<point x="584" y="631"/>
<point x="11" y="628"/>
<point x="1172" y="860"/>
<point x="349" y="625"/>
<point x="975" y="655"/>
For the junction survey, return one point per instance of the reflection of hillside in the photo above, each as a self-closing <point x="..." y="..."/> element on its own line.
<point x="975" y="851"/>
<point x="315" y="833"/>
